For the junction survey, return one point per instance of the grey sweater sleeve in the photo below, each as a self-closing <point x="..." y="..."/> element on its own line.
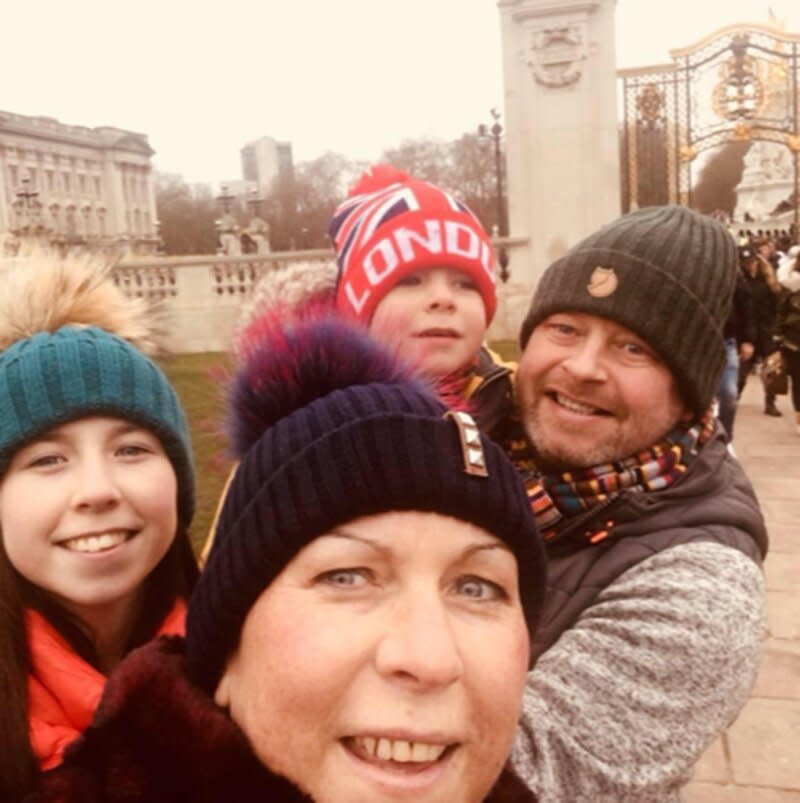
<point x="626" y="701"/>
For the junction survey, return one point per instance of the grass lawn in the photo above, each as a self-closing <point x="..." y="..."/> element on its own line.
<point x="199" y="381"/>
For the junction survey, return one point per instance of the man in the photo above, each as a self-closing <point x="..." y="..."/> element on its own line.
<point x="655" y="615"/>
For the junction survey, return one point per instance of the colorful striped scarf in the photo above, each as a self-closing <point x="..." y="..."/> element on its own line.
<point x="557" y="498"/>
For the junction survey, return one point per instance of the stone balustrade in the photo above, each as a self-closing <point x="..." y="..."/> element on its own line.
<point x="200" y="297"/>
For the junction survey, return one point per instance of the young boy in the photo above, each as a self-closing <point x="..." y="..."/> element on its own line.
<point x="417" y="268"/>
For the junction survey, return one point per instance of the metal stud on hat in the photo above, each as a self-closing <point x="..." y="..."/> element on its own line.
<point x="471" y="446"/>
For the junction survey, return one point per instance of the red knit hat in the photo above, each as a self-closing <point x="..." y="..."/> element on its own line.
<point x="391" y="225"/>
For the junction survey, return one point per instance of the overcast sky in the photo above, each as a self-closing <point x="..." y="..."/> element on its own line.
<point x="352" y="76"/>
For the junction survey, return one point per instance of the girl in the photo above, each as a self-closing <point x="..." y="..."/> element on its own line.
<point x="96" y="495"/>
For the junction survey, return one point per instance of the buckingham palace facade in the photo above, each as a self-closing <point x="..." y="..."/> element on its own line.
<point x="74" y="185"/>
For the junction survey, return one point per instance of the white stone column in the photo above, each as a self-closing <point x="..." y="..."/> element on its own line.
<point x="559" y="65"/>
<point x="116" y="204"/>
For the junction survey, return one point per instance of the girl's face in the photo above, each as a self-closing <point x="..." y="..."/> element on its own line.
<point x="385" y="663"/>
<point x="86" y="513"/>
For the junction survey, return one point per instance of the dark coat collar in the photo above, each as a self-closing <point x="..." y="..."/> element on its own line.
<point x="157" y="738"/>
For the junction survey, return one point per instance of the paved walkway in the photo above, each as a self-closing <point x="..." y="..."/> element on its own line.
<point x="757" y="760"/>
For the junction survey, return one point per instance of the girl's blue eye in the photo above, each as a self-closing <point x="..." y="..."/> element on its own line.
<point x="45" y="461"/>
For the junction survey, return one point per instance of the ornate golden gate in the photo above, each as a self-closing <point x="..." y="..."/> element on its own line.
<point x="738" y="84"/>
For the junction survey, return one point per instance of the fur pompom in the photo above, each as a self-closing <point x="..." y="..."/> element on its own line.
<point x="293" y="287"/>
<point x="378" y="177"/>
<point x="42" y="292"/>
<point x="289" y="360"/>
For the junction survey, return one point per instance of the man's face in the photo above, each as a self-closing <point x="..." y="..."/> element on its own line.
<point x="591" y="392"/>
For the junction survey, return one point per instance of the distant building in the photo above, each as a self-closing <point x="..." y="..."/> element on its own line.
<point x="264" y="160"/>
<point x="72" y="184"/>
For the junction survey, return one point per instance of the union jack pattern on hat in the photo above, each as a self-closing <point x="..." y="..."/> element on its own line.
<point x="392" y="225"/>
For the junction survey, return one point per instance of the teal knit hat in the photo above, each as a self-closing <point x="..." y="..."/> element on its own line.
<point x="50" y="378"/>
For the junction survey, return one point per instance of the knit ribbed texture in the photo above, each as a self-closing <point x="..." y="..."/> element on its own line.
<point x="392" y="225"/>
<point x="675" y="271"/>
<point x="53" y="378"/>
<point x="357" y="451"/>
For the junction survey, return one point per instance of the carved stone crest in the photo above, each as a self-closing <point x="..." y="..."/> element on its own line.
<point x="556" y="53"/>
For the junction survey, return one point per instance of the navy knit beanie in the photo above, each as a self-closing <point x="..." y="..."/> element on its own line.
<point x="329" y="427"/>
<point x="664" y="272"/>
<point x="57" y="367"/>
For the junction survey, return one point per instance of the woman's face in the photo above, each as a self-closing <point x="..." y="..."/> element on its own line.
<point x="386" y="662"/>
<point x="86" y="513"/>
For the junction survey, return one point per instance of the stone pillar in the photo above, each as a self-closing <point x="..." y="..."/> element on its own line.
<point x="562" y="151"/>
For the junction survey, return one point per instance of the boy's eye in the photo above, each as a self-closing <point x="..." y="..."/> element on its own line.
<point x="411" y="280"/>
<point x="466" y="283"/>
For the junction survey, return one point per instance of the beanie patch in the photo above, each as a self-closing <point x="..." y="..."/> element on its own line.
<point x="602" y="283"/>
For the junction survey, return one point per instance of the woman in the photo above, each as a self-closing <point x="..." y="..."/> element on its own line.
<point x="361" y="629"/>
<point x="96" y="494"/>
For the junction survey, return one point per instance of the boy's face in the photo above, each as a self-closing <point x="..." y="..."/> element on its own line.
<point x="435" y="317"/>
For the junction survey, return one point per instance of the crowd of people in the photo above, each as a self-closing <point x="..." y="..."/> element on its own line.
<point x="433" y="574"/>
<point x="762" y="322"/>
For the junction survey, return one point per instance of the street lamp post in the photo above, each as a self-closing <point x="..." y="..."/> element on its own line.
<point x="496" y="132"/>
<point x="227" y="229"/>
<point x="225" y="198"/>
<point x="254" y="202"/>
